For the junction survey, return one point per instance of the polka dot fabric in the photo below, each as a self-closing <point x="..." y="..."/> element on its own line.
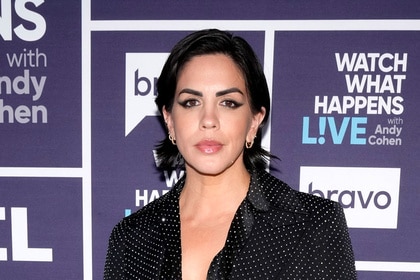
<point x="276" y="233"/>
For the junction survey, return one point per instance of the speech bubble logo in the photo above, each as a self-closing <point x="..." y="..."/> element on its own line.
<point x="141" y="73"/>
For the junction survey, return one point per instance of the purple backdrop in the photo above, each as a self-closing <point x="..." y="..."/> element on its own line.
<point x="76" y="172"/>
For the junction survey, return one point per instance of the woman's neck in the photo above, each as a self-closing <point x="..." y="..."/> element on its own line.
<point x="205" y="196"/>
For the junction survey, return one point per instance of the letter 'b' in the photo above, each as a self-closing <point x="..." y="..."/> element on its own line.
<point x="315" y="192"/>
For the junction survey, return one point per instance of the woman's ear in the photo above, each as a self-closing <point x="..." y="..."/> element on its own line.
<point x="168" y="120"/>
<point x="261" y="116"/>
<point x="257" y="119"/>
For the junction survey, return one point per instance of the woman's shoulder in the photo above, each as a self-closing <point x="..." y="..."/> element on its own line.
<point x="149" y="215"/>
<point x="281" y="194"/>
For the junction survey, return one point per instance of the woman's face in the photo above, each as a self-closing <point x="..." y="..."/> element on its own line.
<point x="211" y="117"/>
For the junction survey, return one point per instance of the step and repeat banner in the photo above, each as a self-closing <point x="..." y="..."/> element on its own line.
<point x="78" y="124"/>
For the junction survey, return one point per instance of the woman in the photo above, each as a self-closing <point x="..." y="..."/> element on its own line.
<point x="227" y="218"/>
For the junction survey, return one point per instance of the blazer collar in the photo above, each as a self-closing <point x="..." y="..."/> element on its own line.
<point x="270" y="207"/>
<point x="280" y="220"/>
<point x="271" y="196"/>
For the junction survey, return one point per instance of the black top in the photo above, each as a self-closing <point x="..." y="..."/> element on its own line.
<point x="276" y="233"/>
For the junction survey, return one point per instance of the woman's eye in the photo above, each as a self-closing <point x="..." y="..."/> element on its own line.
<point x="230" y="104"/>
<point x="189" y="103"/>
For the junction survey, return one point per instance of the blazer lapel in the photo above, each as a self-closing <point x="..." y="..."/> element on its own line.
<point x="279" y="224"/>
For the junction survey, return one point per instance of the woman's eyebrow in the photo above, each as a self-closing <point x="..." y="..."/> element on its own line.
<point x="229" y="90"/>
<point x="219" y="93"/>
<point x="190" y="91"/>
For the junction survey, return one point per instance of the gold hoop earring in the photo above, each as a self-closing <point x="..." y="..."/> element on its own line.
<point x="172" y="139"/>
<point x="248" y="145"/>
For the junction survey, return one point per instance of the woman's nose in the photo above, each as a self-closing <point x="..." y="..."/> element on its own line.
<point x="209" y="118"/>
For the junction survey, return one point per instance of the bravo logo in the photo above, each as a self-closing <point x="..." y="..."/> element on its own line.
<point x="141" y="73"/>
<point x="20" y="247"/>
<point x="369" y="196"/>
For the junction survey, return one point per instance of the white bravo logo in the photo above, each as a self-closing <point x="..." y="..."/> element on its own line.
<point x="368" y="195"/>
<point x="141" y="73"/>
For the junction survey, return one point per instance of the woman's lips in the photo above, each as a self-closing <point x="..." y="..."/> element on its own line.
<point x="209" y="146"/>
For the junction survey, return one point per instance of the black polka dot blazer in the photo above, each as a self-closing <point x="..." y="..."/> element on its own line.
<point x="277" y="233"/>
